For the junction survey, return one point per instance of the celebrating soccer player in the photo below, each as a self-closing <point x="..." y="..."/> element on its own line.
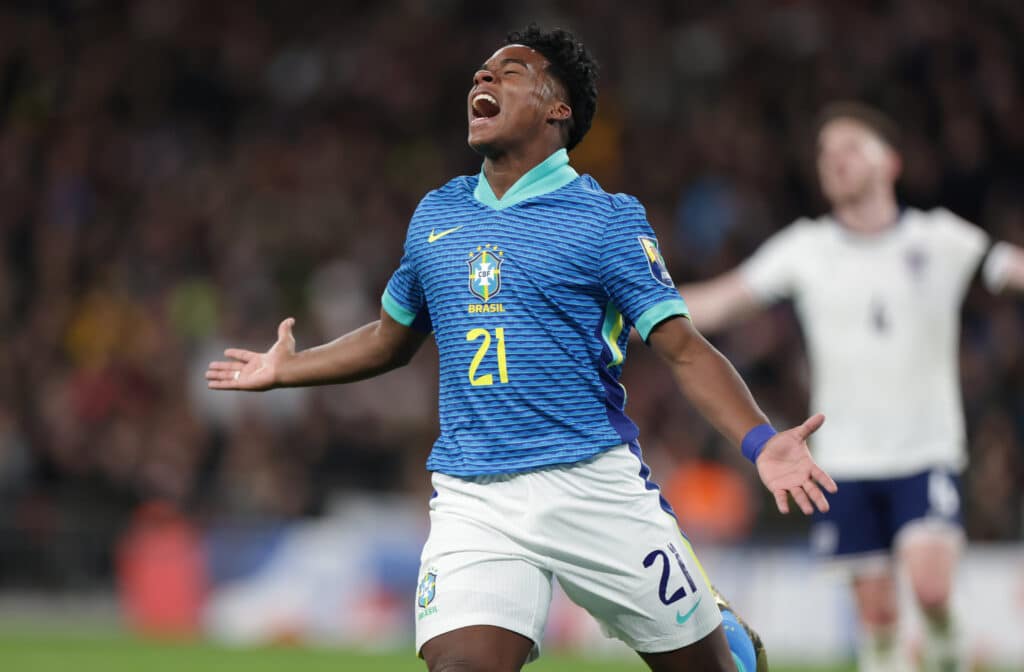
<point x="530" y="278"/>
<point x="878" y="291"/>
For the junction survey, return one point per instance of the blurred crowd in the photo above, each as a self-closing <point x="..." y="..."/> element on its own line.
<point x="177" y="176"/>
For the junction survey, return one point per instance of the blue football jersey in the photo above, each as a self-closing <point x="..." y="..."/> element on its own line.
<point x="531" y="299"/>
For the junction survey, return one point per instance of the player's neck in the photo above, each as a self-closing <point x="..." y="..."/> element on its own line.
<point x="504" y="170"/>
<point x="869" y="215"/>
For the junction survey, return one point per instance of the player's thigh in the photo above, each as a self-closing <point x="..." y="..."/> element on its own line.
<point x="477" y="648"/>
<point x="928" y="500"/>
<point x="711" y="654"/>
<point x="474" y="573"/>
<point x="472" y="588"/>
<point x="929" y="536"/>
<point x="618" y="554"/>
<point x="854" y="534"/>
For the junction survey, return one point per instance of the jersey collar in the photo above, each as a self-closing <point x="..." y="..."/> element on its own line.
<point x="552" y="173"/>
<point x="873" y="237"/>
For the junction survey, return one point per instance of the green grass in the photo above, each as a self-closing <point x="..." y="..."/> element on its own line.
<point x="31" y="651"/>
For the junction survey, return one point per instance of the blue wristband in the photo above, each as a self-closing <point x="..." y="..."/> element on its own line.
<point x="753" y="442"/>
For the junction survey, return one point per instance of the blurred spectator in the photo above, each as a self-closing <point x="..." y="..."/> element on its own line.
<point x="711" y="500"/>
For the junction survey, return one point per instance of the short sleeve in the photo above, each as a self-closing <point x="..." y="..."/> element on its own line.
<point x="633" y="271"/>
<point x="403" y="297"/>
<point x="771" y="271"/>
<point x="961" y="245"/>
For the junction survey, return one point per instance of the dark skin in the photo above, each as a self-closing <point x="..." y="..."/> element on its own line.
<point x="528" y="128"/>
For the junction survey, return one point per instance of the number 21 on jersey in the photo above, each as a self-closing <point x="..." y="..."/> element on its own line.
<point x="475" y="379"/>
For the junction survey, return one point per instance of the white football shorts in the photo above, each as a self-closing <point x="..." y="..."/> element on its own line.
<point x="598" y="526"/>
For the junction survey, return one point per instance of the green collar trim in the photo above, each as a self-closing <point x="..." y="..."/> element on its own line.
<point x="551" y="174"/>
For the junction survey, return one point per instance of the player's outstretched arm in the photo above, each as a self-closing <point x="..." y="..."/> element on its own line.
<point x="712" y="385"/>
<point x="363" y="353"/>
<point x="1004" y="268"/>
<point x="719" y="302"/>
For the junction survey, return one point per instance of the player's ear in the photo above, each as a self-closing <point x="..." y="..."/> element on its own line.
<point x="895" y="164"/>
<point x="559" y="111"/>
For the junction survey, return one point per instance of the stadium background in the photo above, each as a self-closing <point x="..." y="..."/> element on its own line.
<point x="178" y="175"/>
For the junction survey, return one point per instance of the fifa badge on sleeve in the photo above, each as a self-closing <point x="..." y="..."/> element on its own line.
<point x="655" y="261"/>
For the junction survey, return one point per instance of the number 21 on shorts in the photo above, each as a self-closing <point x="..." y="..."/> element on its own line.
<point x="666" y="569"/>
<point x="475" y="379"/>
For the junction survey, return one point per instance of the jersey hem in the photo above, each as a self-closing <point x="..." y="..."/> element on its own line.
<point x="566" y="461"/>
<point x="887" y="472"/>
<point x="658" y="313"/>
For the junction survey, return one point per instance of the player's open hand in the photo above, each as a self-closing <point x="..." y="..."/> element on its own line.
<point x="786" y="466"/>
<point x="253" y="370"/>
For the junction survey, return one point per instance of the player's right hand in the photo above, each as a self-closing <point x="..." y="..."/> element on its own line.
<point x="788" y="470"/>
<point x="253" y="370"/>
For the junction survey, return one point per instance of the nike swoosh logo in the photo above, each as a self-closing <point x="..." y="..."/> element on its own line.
<point x="683" y="618"/>
<point x="435" y="236"/>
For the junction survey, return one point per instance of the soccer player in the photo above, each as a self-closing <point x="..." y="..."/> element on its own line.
<point x="877" y="289"/>
<point x="530" y="278"/>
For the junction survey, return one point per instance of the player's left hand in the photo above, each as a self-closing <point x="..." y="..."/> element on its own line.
<point x="787" y="469"/>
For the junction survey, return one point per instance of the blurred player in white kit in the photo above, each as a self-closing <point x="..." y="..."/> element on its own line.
<point x="878" y="289"/>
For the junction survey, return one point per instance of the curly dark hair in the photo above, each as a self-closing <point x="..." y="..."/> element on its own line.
<point x="571" y="64"/>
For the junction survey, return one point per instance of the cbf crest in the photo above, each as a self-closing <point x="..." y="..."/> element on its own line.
<point x="485" y="272"/>
<point x="427" y="590"/>
<point x="654" y="259"/>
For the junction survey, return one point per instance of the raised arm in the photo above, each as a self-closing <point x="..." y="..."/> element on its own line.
<point x="719" y="302"/>
<point x="771" y="274"/>
<point x="1004" y="268"/>
<point x="368" y="351"/>
<point x="712" y="385"/>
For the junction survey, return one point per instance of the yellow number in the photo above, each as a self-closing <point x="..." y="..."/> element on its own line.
<point x="481" y="352"/>
<point x="502" y="365"/>
<point x="487" y="379"/>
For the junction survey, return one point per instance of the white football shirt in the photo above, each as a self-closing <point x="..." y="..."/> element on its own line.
<point x="881" y="319"/>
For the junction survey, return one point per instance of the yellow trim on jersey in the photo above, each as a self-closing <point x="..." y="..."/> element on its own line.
<point x="611" y="330"/>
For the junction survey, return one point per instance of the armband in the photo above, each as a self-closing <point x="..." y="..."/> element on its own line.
<point x="753" y="442"/>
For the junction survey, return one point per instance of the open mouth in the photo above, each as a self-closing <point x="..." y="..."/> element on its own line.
<point x="485" y="106"/>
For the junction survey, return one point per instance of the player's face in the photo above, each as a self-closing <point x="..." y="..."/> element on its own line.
<point x="852" y="161"/>
<point x="511" y="99"/>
